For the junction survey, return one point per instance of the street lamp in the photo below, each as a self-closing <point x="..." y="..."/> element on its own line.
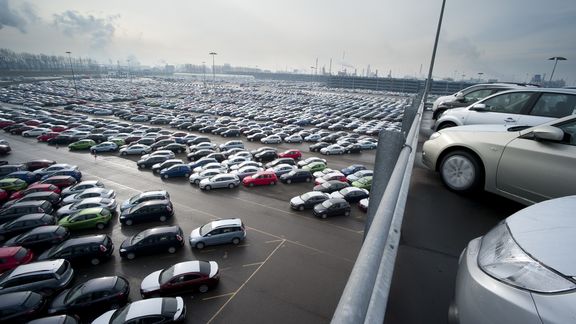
<point x="73" y="76"/>
<point x="213" y="72"/>
<point x="556" y="59"/>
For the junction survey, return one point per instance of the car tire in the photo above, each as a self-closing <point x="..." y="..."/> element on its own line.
<point x="123" y="153"/>
<point x="446" y="125"/>
<point x="301" y="207"/>
<point x="163" y="218"/>
<point x="203" y="288"/>
<point x="461" y="171"/>
<point x="95" y="261"/>
<point x="197" y="181"/>
<point x="272" y="183"/>
<point x="235" y="241"/>
<point x="347" y="213"/>
<point x="289" y="181"/>
<point x="100" y="226"/>
<point x="207" y="188"/>
<point x="324" y="216"/>
<point x="308" y="179"/>
<point x="199" y="245"/>
<point x="230" y="186"/>
<point x="139" y="166"/>
<point x="130" y="256"/>
<point x="165" y="176"/>
<point x="129" y="222"/>
<point x="251" y="184"/>
<point x="171" y="250"/>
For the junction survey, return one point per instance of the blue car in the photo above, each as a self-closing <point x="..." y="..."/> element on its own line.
<point x="201" y="162"/>
<point x="297" y="175"/>
<point x="178" y="170"/>
<point x="27" y="176"/>
<point x="66" y="172"/>
<point x="352" y="169"/>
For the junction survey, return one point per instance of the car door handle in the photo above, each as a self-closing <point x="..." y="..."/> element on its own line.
<point x="509" y="119"/>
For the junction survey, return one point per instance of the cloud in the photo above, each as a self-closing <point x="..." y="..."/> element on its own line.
<point x="99" y="30"/>
<point x="463" y="47"/>
<point x="17" y="18"/>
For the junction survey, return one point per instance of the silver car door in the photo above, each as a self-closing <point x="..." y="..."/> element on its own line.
<point x="503" y="109"/>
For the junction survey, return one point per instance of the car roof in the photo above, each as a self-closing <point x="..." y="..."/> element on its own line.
<point x="29" y="203"/>
<point x="153" y="193"/>
<point x="190" y="266"/>
<point x="38" y="266"/>
<point x="226" y="222"/>
<point x="84" y="239"/>
<point x="144" y="307"/>
<point x="152" y="202"/>
<point x="98" y="284"/>
<point x="162" y="230"/>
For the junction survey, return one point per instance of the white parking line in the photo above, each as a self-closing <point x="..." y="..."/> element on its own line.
<point x="219" y="296"/>
<point x="252" y="264"/>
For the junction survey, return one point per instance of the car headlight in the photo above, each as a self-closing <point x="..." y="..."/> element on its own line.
<point x="435" y="135"/>
<point x="503" y="259"/>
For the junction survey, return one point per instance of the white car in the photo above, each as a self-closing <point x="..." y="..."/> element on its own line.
<point x="293" y="139"/>
<point x="332" y="149"/>
<point x="527" y="165"/>
<point x="169" y="154"/>
<point x="521" y="271"/>
<point x="272" y="139"/>
<point x="136" y="149"/>
<point x="195" y="178"/>
<point x="528" y="107"/>
<point x="152" y="310"/>
<point x="36" y="132"/>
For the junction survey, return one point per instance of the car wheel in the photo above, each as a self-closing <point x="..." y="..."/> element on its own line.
<point x="130" y="256"/>
<point x="301" y="208"/>
<point x="165" y="176"/>
<point x="207" y="188"/>
<point x="324" y="216"/>
<point x="327" y="153"/>
<point x="100" y="226"/>
<point x="179" y="151"/>
<point x="461" y="171"/>
<point x="308" y="179"/>
<point x="199" y="245"/>
<point x="231" y="186"/>
<point x="124" y="153"/>
<point x="347" y="213"/>
<point x="139" y="166"/>
<point x="272" y="183"/>
<point x="129" y="222"/>
<point x="95" y="261"/>
<point x="197" y="181"/>
<point x="446" y="125"/>
<point x="235" y="241"/>
<point x="163" y="218"/>
<point x="251" y="184"/>
<point x="171" y="250"/>
<point x="289" y="181"/>
<point x="203" y="288"/>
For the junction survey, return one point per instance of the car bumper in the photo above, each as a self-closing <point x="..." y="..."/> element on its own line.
<point x="479" y="298"/>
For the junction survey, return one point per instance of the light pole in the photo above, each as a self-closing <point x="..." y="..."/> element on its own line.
<point x="204" y="73"/>
<point x="556" y="59"/>
<point x="428" y="85"/>
<point x="213" y="72"/>
<point x="73" y="76"/>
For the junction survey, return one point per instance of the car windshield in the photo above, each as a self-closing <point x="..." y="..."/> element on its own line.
<point x="75" y="293"/>
<point x="166" y="275"/>
<point x="135" y="198"/>
<point x="119" y="316"/>
<point x="307" y="196"/>
<point x="327" y="203"/>
<point x="206" y="229"/>
<point x="138" y="237"/>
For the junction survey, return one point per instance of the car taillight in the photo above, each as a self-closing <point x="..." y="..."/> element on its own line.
<point x="179" y="238"/>
<point x="103" y="248"/>
<point x="169" y="208"/>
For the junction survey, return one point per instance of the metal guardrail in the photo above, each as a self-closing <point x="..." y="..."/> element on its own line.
<point x="366" y="293"/>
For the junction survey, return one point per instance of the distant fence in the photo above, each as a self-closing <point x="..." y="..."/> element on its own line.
<point x="366" y="293"/>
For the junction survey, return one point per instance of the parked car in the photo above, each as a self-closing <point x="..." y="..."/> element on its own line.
<point x="81" y="186"/>
<point x="351" y="194"/>
<point x="38" y="164"/>
<point x="331" y="186"/>
<point x="308" y="200"/>
<point x="294" y="154"/>
<point x="359" y="174"/>
<point x="35" y="187"/>
<point x="297" y="175"/>
<point x="337" y="175"/>
<point x="12" y="184"/>
<point x="40" y="238"/>
<point x="352" y="169"/>
<point x="527" y="107"/>
<point x="95" y="192"/>
<point x="177" y="170"/>
<point x="145" y="196"/>
<point x="53" y="168"/>
<point x="92" y="297"/>
<point x="261" y="178"/>
<point x="224" y="180"/>
<point x="281" y="169"/>
<point x="147" y="211"/>
<point x="309" y="160"/>
<point x="23" y="208"/>
<point x="50" y="196"/>
<point x="136" y="149"/>
<point x="45" y="277"/>
<point x="182" y="277"/>
<point x="154" y="240"/>
<point x="153" y="310"/>
<point x="363" y="183"/>
<point x="90" y="248"/>
<point x="315" y="166"/>
<point x="104" y="147"/>
<point x="363" y="204"/>
<point x="246" y="171"/>
<point x="93" y="217"/>
<point x="25" y="223"/>
<point x="271" y="139"/>
<point x="332" y="207"/>
<point x="27" y="176"/>
<point x="508" y="161"/>
<point x="231" y="144"/>
<point x="21" y="306"/>
<point x="68" y="172"/>
<point x="521" y="269"/>
<point x="332" y="149"/>
<point x="14" y="256"/>
<point x="83" y="144"/>
<point x="60" y="181"/>
<point x="148" y="162"/>
<point x="156" y="168"/>
<point x="318" y="146"/>
<point x="222" y="231"/>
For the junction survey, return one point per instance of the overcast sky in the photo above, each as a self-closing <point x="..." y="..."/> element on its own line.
<point x="509" y="40"/>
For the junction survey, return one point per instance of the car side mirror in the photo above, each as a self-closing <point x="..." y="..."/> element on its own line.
<point x="480" y="107"/>
<point x="460" y="97"/>
<point x="547" y="133"/>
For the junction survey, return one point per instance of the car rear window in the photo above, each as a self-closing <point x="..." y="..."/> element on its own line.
<point x="169" y="306"/>
<point x="20" y="254"/>
<point x="204" y="267"/>
<point x="120" y="285"/>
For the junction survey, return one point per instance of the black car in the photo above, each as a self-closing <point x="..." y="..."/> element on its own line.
<point x="266" y="156"/>
<point x="198" y="140"/>
<point x="174" y="147"/>
<point x="22" y="306"/>
<point x="152" y="210"/>
<point x="153" y="241"/>
<point x="351" y="194"/>
<point x="318" y="146"/>
<point x="98" y="138"/>
<point x="207" y="129"/>
<point x="217" y="156"/>
<point x="262" y="149"/>
<point x="49" y="196"/>
<point x="289" y="161"/>
<point x="161" y="143"/>
<point x="297" y="175"/>
<point x="331" y="186"/>
<point x="231" y="133"/>
<point x="26" y="207"/>
<point x="92" y="248"/>
<point x="156" y="168"/>
<point x="197" y="155"/>
<point x="256" y="137"/>
<point x="57" y="319"/>
<point x="352" y="148"/>
<point x="145" y="141"/>
<point x="332" y="207"/>
<point x="25" y="223"/>
<point x="62" y="140"/>
<point x="308" y="200"/>
<point x="151" y="160"/>
<point x="40" y="238"/>
<point x="92" y="297"/>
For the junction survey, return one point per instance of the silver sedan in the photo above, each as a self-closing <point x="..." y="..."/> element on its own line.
<point x="225" y="180"/>
<point x="527" y="165"/>
<point x="136" y="149"/>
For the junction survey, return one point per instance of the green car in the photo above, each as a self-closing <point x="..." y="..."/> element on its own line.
<point x="82" y="144"/>
<point x="364" y="183"/>
<point x="315" y="166"/>
<point x="98" y="217"/>
<point x="13" y="184"/>
<point x="118" y="141"/>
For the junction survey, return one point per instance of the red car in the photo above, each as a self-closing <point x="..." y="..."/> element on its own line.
<point x="33" y="122"/>
<point x="46" y="137"/>
<point x="39" y="164"/>
<point x="5" y="123"/>
<point x="61" y="181"/>
<point x="294" y="154"/>
<point x="260" y="179"/>
<point x="59" y="128"/>
<point x="35" y="187"/>
<point x="3" y="195"/>
<point x="11" y="257"/>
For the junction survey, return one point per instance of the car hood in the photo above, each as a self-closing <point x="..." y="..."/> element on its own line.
<point x="319" y="208"/>
<point x="442" y="99"/>
<point x="195" y="234"/>
<point x="336" y="194"/>
<point x="546" y="231"/>
<point x="296" y="201"/>
<point x="104" y="318"/>
<point x="151" y="282"/>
